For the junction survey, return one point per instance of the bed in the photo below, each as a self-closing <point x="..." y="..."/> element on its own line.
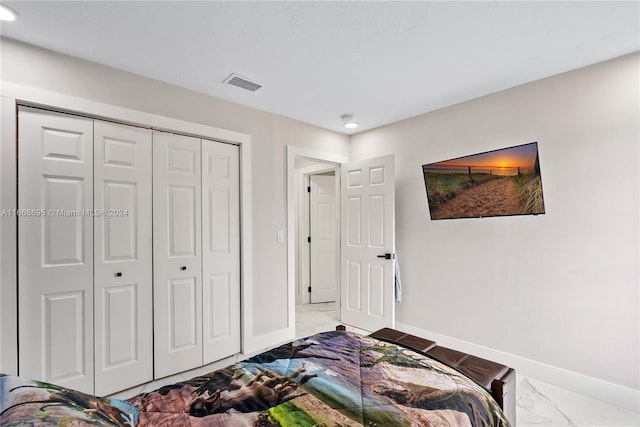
<point x="334" y="378"/>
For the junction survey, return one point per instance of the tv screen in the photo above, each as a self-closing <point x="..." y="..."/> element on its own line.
<point x="494" y="183"/>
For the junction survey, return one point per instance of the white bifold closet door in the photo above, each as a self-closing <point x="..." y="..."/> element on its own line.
<point x="122" y="257"/>
<point x="196" y="226"/>
<point x="85" y="252"/>
<point x="55" y="248"/>
<point x="178" y="254"/>
<point x="129" y="252"/>
<point x="220" y="250"/>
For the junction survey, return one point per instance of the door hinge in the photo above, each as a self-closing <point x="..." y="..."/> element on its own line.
<point x="309" y="288"/>
<point x="309" y="239"/>
<point x="308" y="189"/>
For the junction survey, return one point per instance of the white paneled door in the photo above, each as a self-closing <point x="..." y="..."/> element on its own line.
<point x="128" y="252"/>
<point x="55" y="248"/>
<point x="220" y="250"/>
<point x="323" y="213"/>
<point x="122" y="257"/>
<point x="367" y="243"/>
<point x="177" y="253"/>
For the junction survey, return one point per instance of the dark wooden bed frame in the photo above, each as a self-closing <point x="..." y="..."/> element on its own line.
<point x="498" y="379"/>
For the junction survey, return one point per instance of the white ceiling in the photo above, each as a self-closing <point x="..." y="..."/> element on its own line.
<point x="380" y="61"/>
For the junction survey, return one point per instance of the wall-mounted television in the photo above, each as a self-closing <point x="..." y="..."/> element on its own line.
<point x="501" y="182"/>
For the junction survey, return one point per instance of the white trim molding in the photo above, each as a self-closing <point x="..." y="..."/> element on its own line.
<point x="621" y="396"/>
<point x="8" y="239"/>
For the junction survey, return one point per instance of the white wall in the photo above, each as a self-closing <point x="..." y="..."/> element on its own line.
<point x="30" y="66"/>
<point x="561" y="288"/>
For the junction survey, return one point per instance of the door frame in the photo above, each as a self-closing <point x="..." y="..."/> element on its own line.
<point x="13" y="95"/>
<point x="293" y="200"/>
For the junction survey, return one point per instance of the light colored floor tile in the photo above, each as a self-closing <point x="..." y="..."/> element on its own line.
<point x="314" y="318"/>
<point x="541" y="404"/>
<point x="324" y="306"/>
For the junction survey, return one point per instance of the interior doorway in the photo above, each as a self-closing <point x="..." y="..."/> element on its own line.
<point x="365" y="294"/>
<point x="302" y="166"/>
<point x="317" y="233"/>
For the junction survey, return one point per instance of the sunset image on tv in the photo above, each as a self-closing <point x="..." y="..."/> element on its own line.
<point x="495" y="183"/>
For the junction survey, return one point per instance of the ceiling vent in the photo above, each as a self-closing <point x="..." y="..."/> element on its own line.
<point x="242" y="82"/>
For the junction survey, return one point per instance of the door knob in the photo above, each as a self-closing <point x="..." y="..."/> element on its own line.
<point x="387" y="256"/>
<point x="118" y="274"/>
<point x="183" y="268"/>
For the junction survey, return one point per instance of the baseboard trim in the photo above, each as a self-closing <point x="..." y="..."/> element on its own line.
<point x="621" y="396"/>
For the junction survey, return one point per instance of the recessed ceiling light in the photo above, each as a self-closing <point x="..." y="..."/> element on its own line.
<point x="347" y="121"/>
<point x="7" y="14"/>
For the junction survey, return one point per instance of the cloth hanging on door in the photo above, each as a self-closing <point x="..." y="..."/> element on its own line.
<point x="397" y="281"/>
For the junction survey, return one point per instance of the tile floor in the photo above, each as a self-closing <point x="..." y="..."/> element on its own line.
<point x="538" y="404"/>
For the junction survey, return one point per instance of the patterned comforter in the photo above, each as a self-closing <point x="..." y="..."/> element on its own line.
<point x="29" y="403"/>
<point x="329" y="379"/>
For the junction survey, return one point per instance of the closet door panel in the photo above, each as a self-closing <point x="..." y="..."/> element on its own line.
<point x="55" y="248"/>
<point x="177" y="254"/>
<point x="221" y="250"/>
<point x="123" y="257"/>
<point x="181" y="219"/>
<point x="183" y="309"/>
<point x="64" y="334"/>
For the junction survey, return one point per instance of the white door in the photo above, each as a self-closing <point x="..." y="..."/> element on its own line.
<point x="323" y="247"/>
<point x="55" y="248"/>
<point x="220" y="250"/>
<point x="122" y="257"/>
<point x="177" y="255"/>
<point x="367" y="236"/>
